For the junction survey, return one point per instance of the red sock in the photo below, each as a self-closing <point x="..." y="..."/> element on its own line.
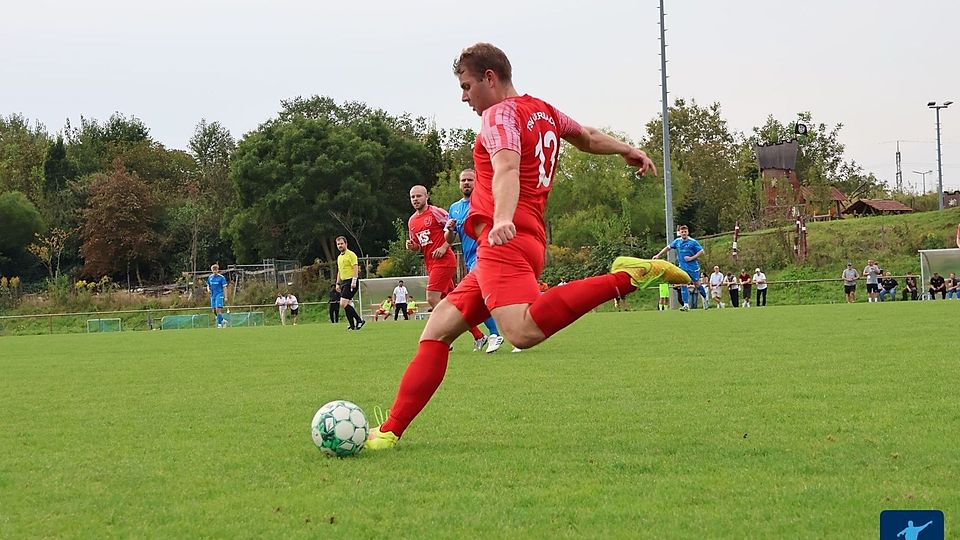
<point x="421" y="379"/>
<point x="560" y="306"/>
<point x="477" y="334"/>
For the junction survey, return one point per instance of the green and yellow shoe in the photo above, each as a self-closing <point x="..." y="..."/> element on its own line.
<point x="381" y="440"/>
<point x="646" y="272"/>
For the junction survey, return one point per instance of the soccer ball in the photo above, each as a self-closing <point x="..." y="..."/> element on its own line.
<point x="339" y="429"/>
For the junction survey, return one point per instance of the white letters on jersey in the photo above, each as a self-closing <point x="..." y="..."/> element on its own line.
<point x="424" y="237"/>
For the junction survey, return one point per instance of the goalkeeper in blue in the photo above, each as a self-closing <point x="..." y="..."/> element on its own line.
<point x="455" y="227"/>
<point x="689" y="252"/>
<point x="217" y="287"/>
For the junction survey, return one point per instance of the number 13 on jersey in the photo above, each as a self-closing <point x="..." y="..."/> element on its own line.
<point x="548" y="145"/>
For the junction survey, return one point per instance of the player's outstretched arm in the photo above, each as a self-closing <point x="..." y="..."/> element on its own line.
<point x="594" y="141"/>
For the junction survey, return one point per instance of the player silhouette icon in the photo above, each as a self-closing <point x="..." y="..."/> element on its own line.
<point x="910" y="532"/>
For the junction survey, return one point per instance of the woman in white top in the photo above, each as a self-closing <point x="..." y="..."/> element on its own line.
<point x="281" y="304"/>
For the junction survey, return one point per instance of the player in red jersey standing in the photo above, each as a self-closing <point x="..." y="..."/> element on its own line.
<point x="515" y="158"/>
<point x="426" y="228"/>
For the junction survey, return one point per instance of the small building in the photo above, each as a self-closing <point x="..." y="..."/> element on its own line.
<point x="834" y="207"/>
<point x="877" y="207"/>
<point x="951" y="199"/>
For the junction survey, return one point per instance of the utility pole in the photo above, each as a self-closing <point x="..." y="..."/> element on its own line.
<point x="923" y="179"/>
<point x="937" y="107"/>
<point x="667" y="176"/>
<point x="899" y="171"/>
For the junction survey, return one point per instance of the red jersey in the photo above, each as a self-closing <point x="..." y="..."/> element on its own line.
<point x="532" y="128"/>
<point x="426" y="231"/>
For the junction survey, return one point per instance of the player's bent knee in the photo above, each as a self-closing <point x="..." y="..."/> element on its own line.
<point x="445" y="324"/>
<point x="522" y="335"/>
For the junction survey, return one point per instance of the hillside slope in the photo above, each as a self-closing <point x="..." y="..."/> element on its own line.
<point x="892" y="240"/>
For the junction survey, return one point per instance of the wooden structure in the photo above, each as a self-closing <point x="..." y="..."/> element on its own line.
<point x="877" y="207"/>
<point x="951" y="199"/>
<point x="783" y="196"/>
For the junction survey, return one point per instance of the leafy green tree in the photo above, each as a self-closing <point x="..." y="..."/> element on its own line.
<point x="119" y="229"/>
<point x="321" y="170"/>
<point x="23" y="148"/>
<point x="709" y="155"/>
<point x="21" y="222"/>
<point x="58" y="172"/>
<point x="208" y="193"/>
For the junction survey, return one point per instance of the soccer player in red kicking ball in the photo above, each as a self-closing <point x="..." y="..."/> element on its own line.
<point x="515" y="158"/>
<point x="426" y="227"/>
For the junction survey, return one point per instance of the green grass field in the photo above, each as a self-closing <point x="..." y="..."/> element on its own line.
<point x="777" y="422"/>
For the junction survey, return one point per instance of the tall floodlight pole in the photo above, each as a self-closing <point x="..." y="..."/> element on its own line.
<point x="937" y="107"/>
<point x="667" y="180"/>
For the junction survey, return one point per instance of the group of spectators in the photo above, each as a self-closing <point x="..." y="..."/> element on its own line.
<point x="740" y="287"/>
<point x="287" y="303"/>
<point x="882" y="286"/>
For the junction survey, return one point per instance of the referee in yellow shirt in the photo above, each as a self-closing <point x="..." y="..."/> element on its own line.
<point x="348" y="274"/>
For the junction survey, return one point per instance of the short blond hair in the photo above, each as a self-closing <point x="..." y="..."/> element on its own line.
<point x="215" y="267"/>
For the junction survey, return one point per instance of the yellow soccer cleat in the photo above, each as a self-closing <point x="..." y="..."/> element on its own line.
<point x="645" y="272"/>
<point x="381" y="440"/>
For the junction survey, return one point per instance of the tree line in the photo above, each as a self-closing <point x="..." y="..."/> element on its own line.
<point x="104" y="198"/>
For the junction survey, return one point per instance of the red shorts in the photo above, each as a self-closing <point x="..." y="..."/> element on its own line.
<point x="504" y="275"/>
<point x="440" y="279"/>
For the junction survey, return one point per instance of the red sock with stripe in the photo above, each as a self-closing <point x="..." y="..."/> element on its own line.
<point x="476" y="333"/>
<point x="560" y="306"/>
<point x="421" y="379"/>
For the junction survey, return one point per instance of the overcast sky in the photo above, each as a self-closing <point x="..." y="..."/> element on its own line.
<point x="871" y="66"/>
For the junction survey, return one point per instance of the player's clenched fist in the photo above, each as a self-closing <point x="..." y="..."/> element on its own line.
<point x="501" y="233"/>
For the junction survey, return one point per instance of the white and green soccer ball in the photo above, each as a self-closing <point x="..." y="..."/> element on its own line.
<point x="339" y="429"/>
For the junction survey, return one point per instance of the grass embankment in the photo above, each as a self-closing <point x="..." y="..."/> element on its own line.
<point x="787" y="422"/>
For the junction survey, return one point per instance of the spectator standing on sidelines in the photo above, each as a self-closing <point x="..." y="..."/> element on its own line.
<point x="400" y="298"/>
<point x="910" y="287"/>
<point x="716" y="286"/>
<point x="281" y="303"/>
<point x="937" y="286"/>
<point x="746" y="284"/>
<point x="850" y="277"/>
<point x="294" y="306"/>
<point x="761" y="280"/>
<point x="334" y="304"/>
<point x="664" y="303"/>
<point x="348" y="276"/>
<point x="872" y="273"/>
<point x="733" y="287"/>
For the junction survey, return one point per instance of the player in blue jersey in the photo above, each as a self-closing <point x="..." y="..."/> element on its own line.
<point x="217" y="287"/>
<point x="689" y="252"/>
<point x="455" y="226"/>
